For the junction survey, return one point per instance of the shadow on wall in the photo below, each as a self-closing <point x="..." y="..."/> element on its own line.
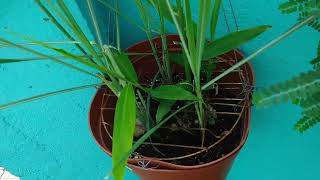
<point x="106" y="20"/>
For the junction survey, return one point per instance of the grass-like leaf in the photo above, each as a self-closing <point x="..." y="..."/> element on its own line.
<point x="11" y="44"/>
<point x="46" y="95"/>
<point x="58" y="25"/>
<point x="70" y="21"/>
<point x="123" y="130"/>
<point x="214" y="18"/>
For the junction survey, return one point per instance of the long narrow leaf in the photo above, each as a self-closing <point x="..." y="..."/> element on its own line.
<point x="232" y="41"/>
<point x="69" y="20"/>
<point x="123" y="130"/>
<point x="42" y="96"/>
<point x="214" y="18"/>
<point x="262" y="49"/>
<point x="11" y="44"/>
<point x="59" y="26"/>
<point x="65" y="53"/>
<point x="190" y="32"/>
<point x="205" y="6"/>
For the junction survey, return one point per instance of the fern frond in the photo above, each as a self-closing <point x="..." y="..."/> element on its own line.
<point x="301" y="86"/>
<point x="305" y="123"/>
<point x="316" y="61"/>
<point x="305" y="8"/>
<point x="311" y="105"/>
<point x="314" y="24"/>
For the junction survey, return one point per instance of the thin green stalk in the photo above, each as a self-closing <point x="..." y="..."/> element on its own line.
<point x="42" y="96"/>
<point x="165" y="54"/>
<point x="116" y="2"/>
<point x="69" y="20"/>
<point x="187" y="69"/>
<point x="145" y="18"/>
<point x="101" y="48"/>
<point x="205" y="6"/>
<point x="95" y="25"/>
<point x="262" y="49"/>
<point x="214" y="18"/>
<point x="128" y="19"/>
<point x="180" y="32"/>
<point x="147" y="135"/>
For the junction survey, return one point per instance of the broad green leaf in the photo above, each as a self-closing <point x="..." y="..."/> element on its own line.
<point x="126" y="67"/>
<point x="163" y="109"/>
<point x="123" y="130"/>
<point x="232" y="41"/>
<point x="172" y="92"/>
<point x="207" y="65"/>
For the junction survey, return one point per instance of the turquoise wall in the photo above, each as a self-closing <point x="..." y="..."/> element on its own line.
<point x="50" y="139"/>
<point x="47" y="139"/>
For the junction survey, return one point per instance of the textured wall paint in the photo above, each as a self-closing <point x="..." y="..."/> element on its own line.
<point x="49" y="139"/>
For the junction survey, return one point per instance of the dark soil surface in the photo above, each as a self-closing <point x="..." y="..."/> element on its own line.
<point x="184" y="130"/>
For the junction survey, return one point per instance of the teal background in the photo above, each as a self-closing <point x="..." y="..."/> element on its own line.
<point x="50" y="139"/>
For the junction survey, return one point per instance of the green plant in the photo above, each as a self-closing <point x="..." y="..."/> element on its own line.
<point x="302" y="90"/>
<point x="114" y="69"/>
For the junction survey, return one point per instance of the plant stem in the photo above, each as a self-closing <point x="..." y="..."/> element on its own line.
<point x="187" y="69"/>
<point x="165" y="55"/>
<point x="145" y="18"/>
<point x="262" y="49"/>
<point x="118" y="25"/>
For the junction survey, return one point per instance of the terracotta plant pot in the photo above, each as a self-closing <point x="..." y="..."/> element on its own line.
<point x="102" y="113"/>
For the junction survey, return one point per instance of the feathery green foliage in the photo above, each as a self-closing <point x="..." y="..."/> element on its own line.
<point x="303" y="90"/>
<point x="304" y="8"/>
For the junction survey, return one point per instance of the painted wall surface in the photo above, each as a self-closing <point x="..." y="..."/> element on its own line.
<point x="50" y="139"/>
<point x="46" y="139"/>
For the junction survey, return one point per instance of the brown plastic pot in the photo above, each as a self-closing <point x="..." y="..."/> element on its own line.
<point x="102" y="110"/>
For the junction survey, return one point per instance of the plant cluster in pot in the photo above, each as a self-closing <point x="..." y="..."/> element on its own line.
<point x="173" y="107"/>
